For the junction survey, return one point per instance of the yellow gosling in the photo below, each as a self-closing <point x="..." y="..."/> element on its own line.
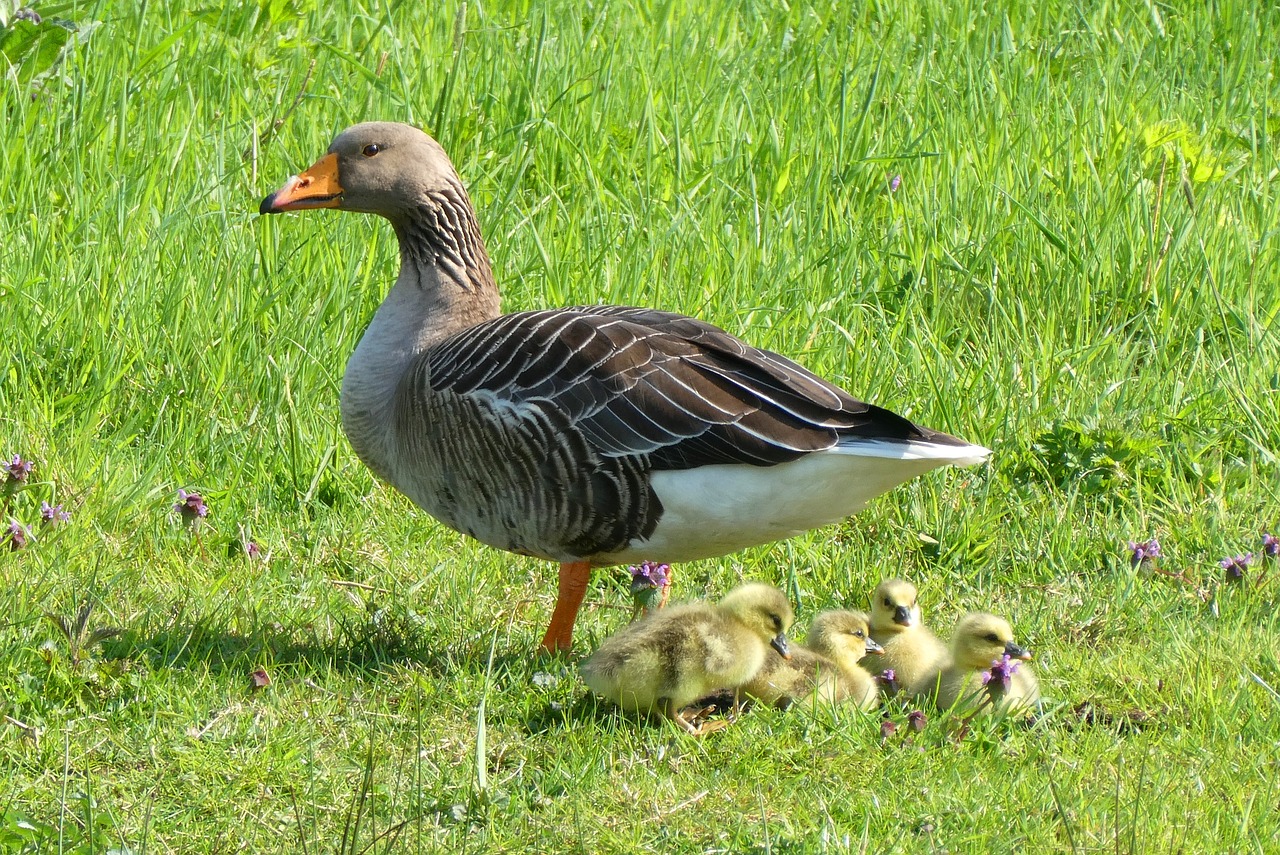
<point x="668" y="660"/>
<point x="987" y="672"/>
<point x="825" y="669"/>
<point x="910" y="650"/>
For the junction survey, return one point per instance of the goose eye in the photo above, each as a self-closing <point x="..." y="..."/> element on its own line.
<point x="993" y="638"/>
<point x="888" y="602"/>
<point x="859" y="633"/>
<point x="371" y="149"/>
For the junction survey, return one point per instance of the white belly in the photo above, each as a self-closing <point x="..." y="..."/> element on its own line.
<point x="715" y="510"/>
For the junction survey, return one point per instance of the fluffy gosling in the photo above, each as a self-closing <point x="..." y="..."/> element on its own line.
<point x="669" y="659"/>
<point x="911" y="651"/>
<point x="987" y="669"/>
<point x="825" y="668"/>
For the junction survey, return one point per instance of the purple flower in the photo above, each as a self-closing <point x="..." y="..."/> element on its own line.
<point x="53" y="515"/>
<point x="648" y="574"/>
<point x="887" y="729"/>
<point x="18" y="469"/>
<point x="894" y="183"/>
<point x="916" y="720"/>
<point x="649" y="582"/>
<point x="18" y="535"/>
<point x="1000" y="677"/>
<point x="888" y="681"/>
<point x="1145" y="550"/>
<point x="191" y="507"/>
<point x="1270" y="545"/>
<point x="1235" y="565"/>
<point x="252" y="549"/>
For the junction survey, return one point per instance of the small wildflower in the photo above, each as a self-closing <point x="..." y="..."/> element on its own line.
<point x="1000" y="677"/>
<point x="648" y="574"/>
<point x="259" y="679"/>
<point x="916" y="720"/>
<point x="649" y="581"/>
<point x="25" y="14"/>
<point x="18" y="535"/>
<point x="887" y="729"/>
<point x="1143" y="551"/>
<point x="53" y="515"/>
<point x="191" y="507"/>
<point x="253" y="550"/>
<point x="1235" y="566"/>
<point x="544" y="679"/>
<point x="888" y="680"/>
<point x="1270" y="545"/>
<point x="894" y="183"/>
<point x="17" y="471"/>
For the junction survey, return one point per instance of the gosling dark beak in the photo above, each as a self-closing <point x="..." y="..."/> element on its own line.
<point x="872" y="647"/>
<point x="318" y="187"/>
<point x="902" y="616"/>
<point x="779" y="643"/>
<point x="1013" y="651"/>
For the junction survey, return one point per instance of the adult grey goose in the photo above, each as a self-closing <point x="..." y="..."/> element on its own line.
<point x="590" y="435"/>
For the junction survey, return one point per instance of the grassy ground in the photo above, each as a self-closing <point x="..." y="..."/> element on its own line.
<point x="1051" y="230"/>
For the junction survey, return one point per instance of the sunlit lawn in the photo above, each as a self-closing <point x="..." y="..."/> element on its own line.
<point x="1052" y="231"/>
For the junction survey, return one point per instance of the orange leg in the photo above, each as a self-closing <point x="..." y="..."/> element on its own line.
<point x="574" y="577"/>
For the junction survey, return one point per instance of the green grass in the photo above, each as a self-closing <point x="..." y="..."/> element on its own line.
<point x="1078" y="269"/>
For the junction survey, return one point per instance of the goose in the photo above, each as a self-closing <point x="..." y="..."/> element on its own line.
<point x="982" y="641"/>
<point x="591" y="435"/>
<point x="824" y="668"/>
<point x="910" y="650"/>
<point x="666" y="661"/>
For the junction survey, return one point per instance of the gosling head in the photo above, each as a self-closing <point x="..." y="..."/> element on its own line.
<point x="844" y="631"/>
<point x="982" y="638"/>
<point x="894" y="607"/>
<point x="764" y="610"/>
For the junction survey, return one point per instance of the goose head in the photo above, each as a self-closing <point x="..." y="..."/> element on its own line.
<point x="843" y="632"/>
<point x="982" y="638"/>
<point x="764" y="611"/>
<point x="381" y="168"/>
<point x="402" y="174"/>
<point x="894" y="607"/>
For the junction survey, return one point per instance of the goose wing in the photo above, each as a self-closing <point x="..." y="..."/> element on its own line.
<point x="668" y="388"/>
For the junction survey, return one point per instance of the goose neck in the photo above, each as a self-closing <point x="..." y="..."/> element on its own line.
<point x="445" y="286"/>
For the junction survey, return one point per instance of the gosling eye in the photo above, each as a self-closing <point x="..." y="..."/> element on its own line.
<point x="888" y="602"/>
<point x="777" y="622"/>
<point x="992" y="637"/>
<point x="371" y="149"/>
<point x="859" y="633"/>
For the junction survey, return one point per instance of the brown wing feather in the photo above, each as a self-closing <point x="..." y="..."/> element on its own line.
<point x="676" y="390"/>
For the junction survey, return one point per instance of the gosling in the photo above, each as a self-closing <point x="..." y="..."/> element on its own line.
<point x="824" y="669"/>
<point x="911" y="651"/>
<point x="987" y="669"/>
<point x="666" y="661"/>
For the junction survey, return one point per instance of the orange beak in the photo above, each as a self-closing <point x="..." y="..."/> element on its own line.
<point x="318" y="187"/>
